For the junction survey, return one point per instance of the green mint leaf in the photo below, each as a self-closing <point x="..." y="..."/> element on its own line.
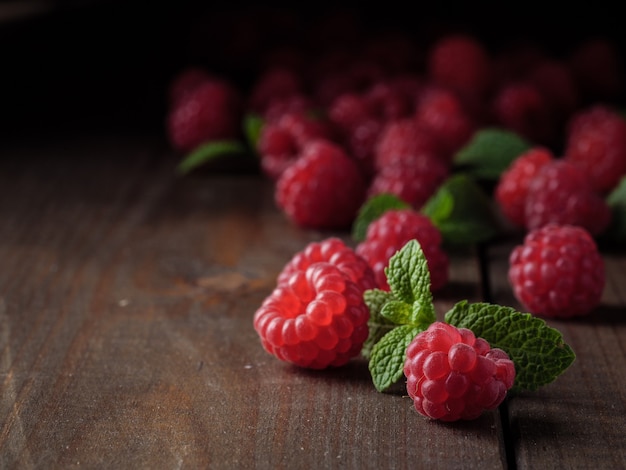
<point x="379" y="326"/>
<point x="408" y="275"/>
<point x="208" y="152"/>
<point x="462" y="211"/>
<point x="539" y="352"/>
<point x="397" y="312"/>
<point x="616" y="232"/>
<point x="386" y="364"/>
<point x="252" y="128"/>
<point x="371" y="210"/>
<point x="489" y="152"/>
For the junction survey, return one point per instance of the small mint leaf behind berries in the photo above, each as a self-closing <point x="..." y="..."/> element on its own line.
<point x="539" y="352"/>
<point x="489" y="152"/>
<point x="374" y="207"/>
<point x="252" y="127"/>
<point x="463" y="212"/>
<point x="210" y="151"/>
<point x="615" y="234"/>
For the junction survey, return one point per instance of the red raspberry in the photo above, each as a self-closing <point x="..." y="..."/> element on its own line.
<point x="282" y="141"/>
<point x="462" y="63"/>
<point x="557" y="271"/>
<point x="521" y="108"/>
<point x="451" y="375"/>
<point x="315" y="319"/>
<point x="323" y="189"/>
<point x="441" y="113"/>
<point x="331" y="250"/>
<point x="560" y="192"/>
<point x="414" y="180"/>
<point x="512" y="188"/>
<point x="394" y="229"/>
<point x="596" y="141"/>
<point x="401" y="140"/>
<point x="211" y="111"/>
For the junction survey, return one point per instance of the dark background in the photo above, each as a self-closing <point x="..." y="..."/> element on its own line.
<point x="80" y="65"/>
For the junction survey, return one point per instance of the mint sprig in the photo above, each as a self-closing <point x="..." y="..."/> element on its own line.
<point x="462" y="211"/>
<point x="489" y="152"/>
<point x="616" y="200"/>
<point x="408" y="309"/>
<point x="539" y="352"/>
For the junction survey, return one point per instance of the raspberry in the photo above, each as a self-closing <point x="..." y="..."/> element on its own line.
<point x="323" y="189"/>
<point x="414" y="180"/>
<point x="596" y="141"/>
<point x="451" y="375"/>
<point x="557" y="271"/>
<point x="512" y="188"/>
<point x="400" y="140"/>
<point x="441" y="113"/>
<point x="331" y="250"/>
<point x="282" y="141"/>
<point x="462" y="63"/>
<point x="316" y="318"/>
<point x="521" y="108"/>
<point x="210" y="111"/>
<point x="560" y="192"/>
<point x="391" y="231"/>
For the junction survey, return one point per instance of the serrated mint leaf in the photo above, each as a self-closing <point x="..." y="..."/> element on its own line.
<point x="397" y="312"/>
<point x="252" y="128"/>
<point x="408" y="275"/>
<point x="423" y="313"/>
<point x="462" y="211"/>
<point x="378" y="326"/>
<point x="210" y="151"/>
<point x="539" y="352"/>
<point x="489" y="152"/>
<point x="371" y="210"/>
<point x="386" y="363"/>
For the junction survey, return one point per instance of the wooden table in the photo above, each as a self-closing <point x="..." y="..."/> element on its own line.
<point x="126" y="338"/>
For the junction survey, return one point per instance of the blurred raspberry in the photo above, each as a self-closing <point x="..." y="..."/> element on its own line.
<point x="402" y="139"/>
<point x="323" y="189"/>
<point x="210" y="111"/>
<point x="596" y="142"/>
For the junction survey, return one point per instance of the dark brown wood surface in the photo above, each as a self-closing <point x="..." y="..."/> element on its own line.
<point x="126" y="339"/>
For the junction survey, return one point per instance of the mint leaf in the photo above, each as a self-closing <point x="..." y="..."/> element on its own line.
<point x="616" y="232"/>
<point x="379" y="326"/>
<point x="371" y="210"/>
<point x="209" y="151"/>
<point x="408" y="275"/>
<point x="489" y="152"/>
<point x="252" y="128"/>
<point x="539" y="352"/>
<point x="398" y="316"/>
<point x="462" y="211"/>
<point x="386" y="364"/>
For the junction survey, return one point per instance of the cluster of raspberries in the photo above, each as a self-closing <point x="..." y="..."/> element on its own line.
<point x="388" y="115"/>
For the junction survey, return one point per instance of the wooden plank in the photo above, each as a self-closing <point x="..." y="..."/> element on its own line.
<point x="577" y="421"/>
<point x="127" y="297"/>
